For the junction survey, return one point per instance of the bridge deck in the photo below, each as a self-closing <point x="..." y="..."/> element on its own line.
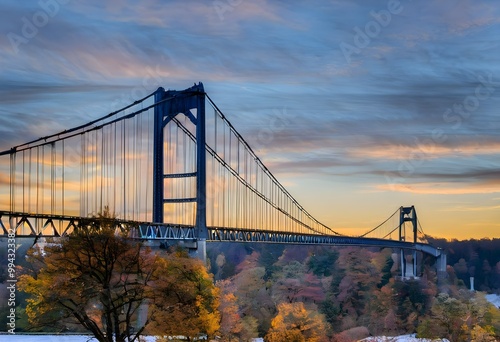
<point x="42" y="225"/>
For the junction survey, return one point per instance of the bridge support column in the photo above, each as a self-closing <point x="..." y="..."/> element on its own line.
<point x="441" y="267"/>
<point x="201" y="168"/>
<point x="201" y="250"/>
<point x="158" y="176"/>
<point x="415" y="272"/>
<point x="169" y="104"/>
<point x="403" y="263"/>
<point x="408" y="214"/>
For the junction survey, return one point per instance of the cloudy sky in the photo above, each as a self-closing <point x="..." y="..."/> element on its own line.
<point x="365" y="105"/>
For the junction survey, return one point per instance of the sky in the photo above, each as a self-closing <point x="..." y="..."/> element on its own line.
<point x="357" y="107"/>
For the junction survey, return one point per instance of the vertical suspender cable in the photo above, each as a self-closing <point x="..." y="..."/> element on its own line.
<point x="131" y="140"/>
<point x="215" y="178"/>
<point x="95" y="190"/>
<point x="63" y="180"/>
<point x="37" y="178"/>
<point x="230" y="183"/>
<point x="124" y="164"/>
<point x="52" y="177"/>
<point x="175" y="165"/>
<point x="24" y="186"/>
<point x="29" y="180"/>
<point x="224" y="178"/>
<point x="256" y="198"/>
<point x="115" y="167"/>
<point x="88" y="165"/>
<point x="238" y="186"/>
<point x="148" y="163"/>
<point x="12" y="181"/>
<point x="185" y="157"/>
<point x="102" y="179"/>
<point x="107" y="174"/>
<point x="43" y="180"/>
<point x="136" y="180"/>
<point x="148" y="168"/>
<point x="86" y="175"/>
<point x="138" y="155"/>
<point x="247" y="193"/>
<point x="80" y="189"/>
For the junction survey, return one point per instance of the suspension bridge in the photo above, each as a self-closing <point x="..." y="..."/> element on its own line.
<point x="169" y="170"/>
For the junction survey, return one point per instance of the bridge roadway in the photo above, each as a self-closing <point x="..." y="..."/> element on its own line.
<point x="44" y="225"/>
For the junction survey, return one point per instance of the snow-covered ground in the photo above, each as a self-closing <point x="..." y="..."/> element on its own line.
<point x="80" y="338"/>
<point x="46" y="338"/>
<point x="53" y="338"/>
<point x="403" y="338"/>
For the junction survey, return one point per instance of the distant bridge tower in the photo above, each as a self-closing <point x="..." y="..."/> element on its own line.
<point x="408" y="214"/>
<point x="191" y="103"/>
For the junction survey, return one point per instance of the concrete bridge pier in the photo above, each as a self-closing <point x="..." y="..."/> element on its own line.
<point x="200" y="251"/>
<point x="441" y="267"/>
<point x="408" y="268"/>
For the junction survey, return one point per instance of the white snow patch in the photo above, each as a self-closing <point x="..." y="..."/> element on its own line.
<point x="493" y="299"/>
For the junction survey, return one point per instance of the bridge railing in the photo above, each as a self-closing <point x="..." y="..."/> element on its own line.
<point x="42" y="225"/>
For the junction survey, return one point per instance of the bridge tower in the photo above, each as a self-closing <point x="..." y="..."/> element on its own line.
<point x="191" y="103"/>
<point x="408" y="214"/>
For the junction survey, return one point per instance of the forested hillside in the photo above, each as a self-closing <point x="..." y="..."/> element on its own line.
<point x="338" y="294"/>
<point x="311" y="293"/>
<point x="473" y="258"/>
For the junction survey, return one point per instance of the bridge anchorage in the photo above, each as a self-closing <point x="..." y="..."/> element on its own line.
<point x="171" y="172"/>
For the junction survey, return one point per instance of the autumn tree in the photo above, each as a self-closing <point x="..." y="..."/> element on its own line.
<point x="466" y="317"/>
<point x="358" y="286"/>
<point x="190" y="308"/>
<point x="323" y="262"/>
<point x="480" y="334"/>
<point x="252" y="294"/>
<point x="231" y="325"/>
<point x="448" y="313"/>
<point x="114" y="287"/>
<point x="296" y="323"/>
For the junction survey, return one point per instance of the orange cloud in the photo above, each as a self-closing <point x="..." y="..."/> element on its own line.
<point x="471" y="208"/>
<point x="429" y="151"/>
<point x="439" y="188"/>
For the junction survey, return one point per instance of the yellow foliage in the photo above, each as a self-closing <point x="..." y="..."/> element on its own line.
<point x="190" y="304"/>
<point x="103" y="281"/>
<point x="482" y="334"/>
<point x="294" y="318"/>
